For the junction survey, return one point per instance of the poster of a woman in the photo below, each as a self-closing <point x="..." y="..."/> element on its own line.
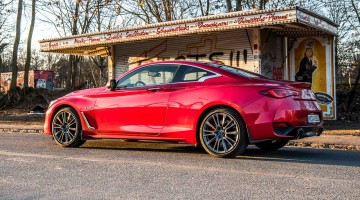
<point x="312" y="63"/>
<point x="307" y="65"/>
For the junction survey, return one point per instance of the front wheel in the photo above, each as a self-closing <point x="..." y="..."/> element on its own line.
<point x="223" y="133"/>
<point x="272" y="145"/>
<point x="66" y="128"/>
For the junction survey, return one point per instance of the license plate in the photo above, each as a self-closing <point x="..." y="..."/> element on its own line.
<point x="313" y="119"/>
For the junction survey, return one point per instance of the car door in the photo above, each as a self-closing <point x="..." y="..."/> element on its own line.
<point x="139" y="103"/>
<point x="186" y="99"/>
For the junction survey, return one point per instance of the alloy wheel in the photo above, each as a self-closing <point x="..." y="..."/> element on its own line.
<point x="65" y="127"/>
<point x="221" y="132"/>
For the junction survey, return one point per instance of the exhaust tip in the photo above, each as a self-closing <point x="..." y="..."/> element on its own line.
<point x="299" y="133"/>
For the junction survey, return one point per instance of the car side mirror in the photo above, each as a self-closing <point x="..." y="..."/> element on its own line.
<point x="112" y="84"/>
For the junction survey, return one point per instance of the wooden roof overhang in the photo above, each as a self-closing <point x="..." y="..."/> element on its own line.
<point x="289" y="22"/>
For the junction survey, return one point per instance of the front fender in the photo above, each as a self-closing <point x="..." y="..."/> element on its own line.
<point x="80" y="104"/>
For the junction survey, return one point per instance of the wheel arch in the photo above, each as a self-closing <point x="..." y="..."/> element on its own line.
<point x="65" y="105"/>
<point x="212" y="107"/>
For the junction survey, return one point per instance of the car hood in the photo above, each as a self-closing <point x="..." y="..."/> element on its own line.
<point x="86" y="92"/>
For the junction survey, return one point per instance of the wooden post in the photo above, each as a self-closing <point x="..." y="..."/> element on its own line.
<point x="257" y="50"/>
<point x="111" y="62"/>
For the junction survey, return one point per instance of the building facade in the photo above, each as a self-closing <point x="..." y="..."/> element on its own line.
<point x="287" y="44"/>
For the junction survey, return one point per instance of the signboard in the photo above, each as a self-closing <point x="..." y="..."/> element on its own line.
<point x="316" y="22"/>
<point x="180" y="27"/>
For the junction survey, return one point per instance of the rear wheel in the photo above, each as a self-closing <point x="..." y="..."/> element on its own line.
<point x="66" y="128"/>
<point x="272" y="145"/>
<point x="223" y="133"/>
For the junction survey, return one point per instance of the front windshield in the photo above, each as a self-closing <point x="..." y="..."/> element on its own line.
<point x="237" y="71"/>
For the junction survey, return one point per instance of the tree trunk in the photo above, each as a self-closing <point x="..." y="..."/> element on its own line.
<point x="352" y="94"/>
<point x="72" y="59"/>
<point x="74" y="72"/>
<point x="93" y="76"/>
<point x="69" y="74"/>
<point x="0" y="62"/>
<point x="102" y="75"/>
<point x="238" y="5"/>
<point x="228" y="6"/>
<point x="16" y="47"/>
<point x="80" y="78"/>
<point x="28" y="45"/>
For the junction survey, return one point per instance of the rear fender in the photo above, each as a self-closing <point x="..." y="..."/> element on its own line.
<point x="210" y="106"/>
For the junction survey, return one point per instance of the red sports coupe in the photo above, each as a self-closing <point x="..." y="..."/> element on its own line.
<point x="219" y="107"/>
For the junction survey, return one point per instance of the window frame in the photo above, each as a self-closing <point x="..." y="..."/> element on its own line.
<point x="202" y="79"/>
<point x="142" y="68"/>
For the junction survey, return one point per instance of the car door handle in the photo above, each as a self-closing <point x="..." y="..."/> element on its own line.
<point x="154" y="89"/>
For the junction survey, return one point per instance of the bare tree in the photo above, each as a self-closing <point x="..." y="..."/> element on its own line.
<point x="28" y="45"/>
<point x="5" y="27"/>
<point x="6" y="11"/>
<point x="70" y="17"/>
<point x="352" y="47"/>
<point x="16" y="46"/>
<point x="154" y="11"/>
<point x="204" y="8"/>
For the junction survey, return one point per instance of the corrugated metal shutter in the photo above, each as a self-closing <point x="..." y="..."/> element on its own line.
<point x="227" y="47"/>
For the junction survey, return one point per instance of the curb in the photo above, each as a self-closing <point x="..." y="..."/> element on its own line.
<point x="21" y="130"/>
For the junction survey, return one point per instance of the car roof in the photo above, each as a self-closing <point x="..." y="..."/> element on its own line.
<point x="211" y="66"/>
<point x="204" y="65"/>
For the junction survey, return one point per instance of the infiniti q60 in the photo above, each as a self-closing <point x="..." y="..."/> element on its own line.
<point x="218" y="107"/>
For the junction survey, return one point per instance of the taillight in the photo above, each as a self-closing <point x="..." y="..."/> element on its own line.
<point x="279" y="93"/>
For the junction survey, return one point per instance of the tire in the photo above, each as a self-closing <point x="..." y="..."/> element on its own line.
<point x="81" y="142"/>
<point x="272" y="145"/>
<point x="222" y="133"/>
<point x="66" y="128"/>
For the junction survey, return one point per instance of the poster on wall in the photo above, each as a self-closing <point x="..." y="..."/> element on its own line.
<point x="44" y="79"/>
<point x="312" y="63"/>
<point x="37" y="79"/>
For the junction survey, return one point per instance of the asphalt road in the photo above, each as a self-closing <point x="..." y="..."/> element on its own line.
<point x="33" y="167"/>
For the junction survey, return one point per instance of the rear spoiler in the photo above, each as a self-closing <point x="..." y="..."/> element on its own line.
<point x="303" y="85"/>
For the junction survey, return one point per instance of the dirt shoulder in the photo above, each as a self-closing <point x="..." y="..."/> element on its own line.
<point x="346" y="142"/>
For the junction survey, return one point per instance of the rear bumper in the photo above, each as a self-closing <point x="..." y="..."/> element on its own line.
<point x="271" y="118"/>
<point x="299" y="132"/>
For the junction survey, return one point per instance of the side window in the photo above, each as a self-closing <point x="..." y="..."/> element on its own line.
<point x="190" y="74"/>
<point x="149" y="75"/>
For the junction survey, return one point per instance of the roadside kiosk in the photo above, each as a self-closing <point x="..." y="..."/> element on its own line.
<point x="291" y="43"/>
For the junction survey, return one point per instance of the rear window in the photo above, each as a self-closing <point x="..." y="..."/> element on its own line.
<point x="237" y="71"/>
<point x="194" y="74"/>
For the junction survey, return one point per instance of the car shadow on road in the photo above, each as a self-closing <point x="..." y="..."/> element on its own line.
<point x="143" y="146"/>
<point x="286" y="154"/>
<point x="305" y="155"/>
